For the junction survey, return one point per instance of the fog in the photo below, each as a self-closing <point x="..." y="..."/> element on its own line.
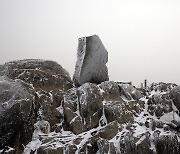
<point x="142" y="37"/>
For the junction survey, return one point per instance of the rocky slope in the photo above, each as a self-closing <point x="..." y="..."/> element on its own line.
<point x="42" y="112"/>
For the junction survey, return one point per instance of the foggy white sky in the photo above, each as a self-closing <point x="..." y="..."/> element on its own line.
<point x="142" y="36"/>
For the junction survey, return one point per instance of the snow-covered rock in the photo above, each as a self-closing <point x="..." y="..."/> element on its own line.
<point x="175" y="95"/>
<point x="109" y="117"/>
<point x="17" y="113"/>
<point x="34" y="92"/>
<point x="91" y="61"/>
<point x="43" y="74"/>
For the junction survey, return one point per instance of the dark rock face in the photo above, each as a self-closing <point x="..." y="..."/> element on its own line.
<point x="91" y="61"/>
<point x="46" y="75"/>
<point x="109" y="131"/>
<point x="167" y="144"/>
<point x="48" y="78"/>
<point x="17" y="112"/>
<point x="175" y="95"/>
<point x="90" y="104"/>
<point x="40" y="88"/>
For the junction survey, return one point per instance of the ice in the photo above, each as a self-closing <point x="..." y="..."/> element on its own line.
<point x="32" y="146"/>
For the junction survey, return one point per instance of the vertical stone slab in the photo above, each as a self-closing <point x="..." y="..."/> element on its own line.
<point x="92" y="57"/>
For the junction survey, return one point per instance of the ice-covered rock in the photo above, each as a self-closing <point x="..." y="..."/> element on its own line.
<point x="109" y="117"/>
<point x="126" y="123"/>
<point x="17" y="113"/>
<point x="91" y="61"/>
<point x="91" y="105"/>
<point x="48" y="81"/>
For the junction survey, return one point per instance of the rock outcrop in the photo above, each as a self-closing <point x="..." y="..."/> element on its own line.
<point x="109" y="117"/>
<point x="30" y="90"/>
<point x="117" y="123"/>
<point x="42" y="74"/>
<point x="91" y="61"/>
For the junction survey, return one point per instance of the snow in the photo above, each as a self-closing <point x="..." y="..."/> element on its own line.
<point x="101" y="91"/>
<point x="103" y="120"/>
<point x="9" y="149"/>
<point x="152" y="145"/>
<point x="168" y="117"/>
<point x="140" y="130"/>
<point x="141" y="140"/>
<point x="33" y="145"/>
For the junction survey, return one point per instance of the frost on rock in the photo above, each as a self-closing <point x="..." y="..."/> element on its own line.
<point x="42" y="128"/>
<point x="105" y="118"/>
<point x="91" y="61"/>
<point x="44" y="74"/>
<point x="17" y="104"/>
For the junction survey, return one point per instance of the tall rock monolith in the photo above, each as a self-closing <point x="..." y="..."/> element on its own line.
<point x="92" y="57"/>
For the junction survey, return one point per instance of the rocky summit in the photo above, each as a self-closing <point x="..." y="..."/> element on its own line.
<point x="41" y="112"/>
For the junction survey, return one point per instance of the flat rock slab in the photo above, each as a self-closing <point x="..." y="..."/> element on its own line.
<point x="91" y="61"/>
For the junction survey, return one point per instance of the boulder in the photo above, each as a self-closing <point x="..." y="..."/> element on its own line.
<point x="159" y="104"/>
<point x="167" y="144"/>
<point x="90" y="102"/>
<point x="43" y="74"/>
<point x="109" y="131"/>
<point x="82" y="108"/>
<point x="91" y="61"/>
<point x="71" y="112"/>
<point x="143" y="145"/>
<point x="18" y="109"/>
<point x="120" y="111"/>
<point x="47" y="110"/>
<point x="91" y="105"/>
<point x="50" y="150"/>
<point x="50" y="80"/>
<point x="130" y="91"/>
<point x="175" y="95"/>
<point x="110" y="91"/>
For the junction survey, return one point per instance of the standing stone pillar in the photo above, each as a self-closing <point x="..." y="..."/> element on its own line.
<point x="92" y="57"/>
